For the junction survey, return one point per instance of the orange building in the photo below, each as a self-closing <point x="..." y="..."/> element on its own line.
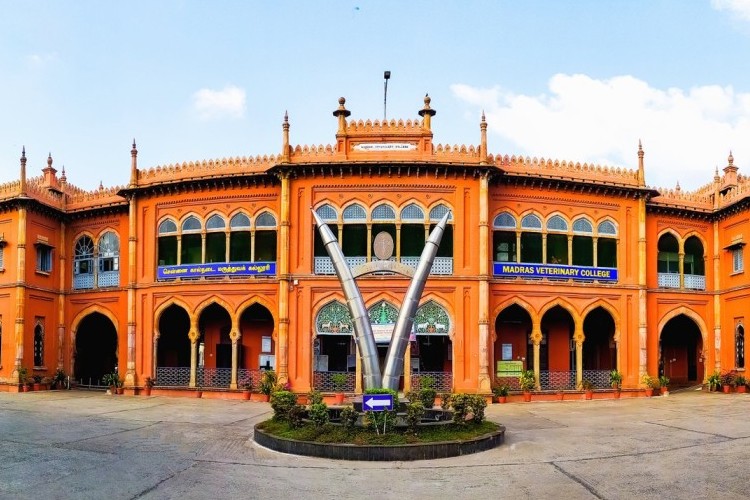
<point x="204" y="273"/>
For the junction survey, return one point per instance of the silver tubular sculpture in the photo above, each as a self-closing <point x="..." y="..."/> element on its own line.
<point x="363" y="335"/>
<point x="394" y="363"/>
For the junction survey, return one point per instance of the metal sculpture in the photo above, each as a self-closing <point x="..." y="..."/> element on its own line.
<point x="363" y="335"/>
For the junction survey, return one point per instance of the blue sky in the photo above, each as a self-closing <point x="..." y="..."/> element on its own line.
<point x="580" y="81"/>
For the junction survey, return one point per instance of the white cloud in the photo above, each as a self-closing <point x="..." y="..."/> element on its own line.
<point x="40" y="60"/>
<point x="229" y="101"/>
<point x="739" y="8"/>
<point x="685" y="133"/>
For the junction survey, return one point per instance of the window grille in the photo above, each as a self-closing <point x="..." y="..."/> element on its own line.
<point x="83" y="263"/>
<point x="504" y="221"/>
<point x="438" y="212"/>
<point x="215" y="222"/>
<point x="265" y="220"/>
<point x="431" y="318"/>
<point x="43" y="258"/>
<point x="239" y="221"/>
<point x="327" y="213"/>
<point x="109" y="260"/>
<point x="607" y="227"/>
<point x="334" y="318"/>
<point x="354" y="212"/>
<point x="38" y="344"/>
<point x="557" y="223"/>
<point x="737" y="260"/>
<point x="412" y="213"/>
<point x="582" y="226"/>
<point x="383" y="212"/>
<point x="531" y="221"/>
<point x="167" y="226"/>
<point x="191" y="224"/>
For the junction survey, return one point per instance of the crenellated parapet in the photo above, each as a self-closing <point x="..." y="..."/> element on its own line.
<point x="568" y="170"/>
<point x="9" y="189"/>
<point x="681" y="199"/>
<point x="206" y="168"/>
<point x="456" y="153"/>
<point x="377" y="127"/>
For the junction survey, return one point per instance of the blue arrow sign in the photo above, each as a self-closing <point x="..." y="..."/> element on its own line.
<point x="377" y="402"/>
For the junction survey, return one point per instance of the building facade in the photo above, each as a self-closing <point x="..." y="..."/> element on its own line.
<point x="205" y="273"/>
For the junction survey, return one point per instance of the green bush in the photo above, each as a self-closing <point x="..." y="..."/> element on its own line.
<point x="468" y="404"/>
<point x="527" y="380"/>
<point x="314" y="397"/>
<point x="445" y="401"/>
<point x="382" y="421"/>
<point x="349" y="417"/>
<point x="414" y="415"/>
<point x="427" y="382"/>
<point x="427" y="397"/>
<point x="282" y="403"/>
<point x="268" y="382"/>
<point x="295" y="416"/>
<point x="318" y="414"/>
<point x="478" y="406"/>
<point x="339" y="381"/>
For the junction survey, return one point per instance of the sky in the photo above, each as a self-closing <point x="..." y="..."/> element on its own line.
<point x="190" y="80"/>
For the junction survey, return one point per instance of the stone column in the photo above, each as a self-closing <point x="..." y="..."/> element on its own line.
<point x="579" y="338"/>
<point x="282" y="345"/>
<point x="234" y="335"/>
<point x="358" y="372"/>
<point x="193" y="357"/>
<point x="536" y="338"/>
<point x="484" y="380"/>
<point x="407" y="368"/>
<point x="642" y="316"/>
<point x="20" y="292"/>
<point x="369" y="243"/>
<point x="570" y="250"/>
<point x="544" y="248"/>
<point x="132" y="238"/>
<point x="518" y="247"/>
<point x="717" y="310"/>
<point x="595" y="242"/>
<point x="681" y="268"/>
<point x="61" y="302"/>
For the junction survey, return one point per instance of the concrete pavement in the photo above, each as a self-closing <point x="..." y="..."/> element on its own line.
<point x="89" y="445"/>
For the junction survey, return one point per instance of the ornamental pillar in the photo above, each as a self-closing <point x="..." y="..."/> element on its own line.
<point x="193" y="357"/>
<point x="357" y="372"/>
<point x="234" y="335"/>
<point x="282" y="344"/>
<point x="20" y="289"/>
<point x="536" y="339"/>
<point x="484" y="381"/>
<point x="132" y="238"/>
<point x="407" y="368"/>
<point x="681" y="267"/>
<point x="579" y="338"/>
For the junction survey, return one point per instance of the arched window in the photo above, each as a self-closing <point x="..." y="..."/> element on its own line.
<point x="531" y="239"/>
<point x="265" y="238"/>
<point x="167" y="251"/>
<point x="216" y="239"/>
<point x="83" y="263"/>
<point x="383" y="221"/>
<point x="667" y="266"/>
<point x="739" y="347"/>
<point x="444" y="256"/>
<point x="333" y="346"/>
<point x="557" y="244"/>
<point x="191" y="241"/>
<point x="38" y="344"/>
<point x="432" y="350"/>
<point x="583" y="242"/>
<point x="606" y="244"/>
<point x="694" y="264"/>
<point x="327" y="213"/>
<point x="383" y="212"/>
<point x="504" y="238"/>
<point x="109" y="259"/>
<point x="239" y="238"/>
<point x="354" y="234"/>
<point x="412" y="233"/>
<point x="438" y="212"/>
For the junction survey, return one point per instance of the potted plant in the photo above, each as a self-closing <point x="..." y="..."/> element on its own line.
<point x="740" y="383"/>
<point x="148" y="383"/>
<point x="560" y="392"/>
<point x="267" y="383"/>
<point x="120" y="389"/>
<point x="527" y="381"/>
<point x="23" y="379"/>
<point x="615" y="381"/>
<point x="247" y="389"/>
<point x="663" y="384"/>
<point x="727" y="381"/>
<point x="339" y="382"/>
<point x="37" y="382"/>
<point x="500" y="392"/>
<point x="588" y="389"/>
<point x="714" y="381"/>
<point x="111" y="380"/>
<point x="58" y="381"/>
<point x="651" y="383"/>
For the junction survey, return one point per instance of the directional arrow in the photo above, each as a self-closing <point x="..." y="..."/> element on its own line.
<point x="378" y="402"/>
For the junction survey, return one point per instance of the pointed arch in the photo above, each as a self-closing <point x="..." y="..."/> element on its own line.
<point x="690" y="314"/>
<point x="214" y="299"/>
<point x="94" y="308"/>
<point x="332" y="317"/>
<point x="410" y="210"/>
<point x="255" y="299"/>
<point x="607" y="307"/>
<point x="564" y="304"/>
<point x="515" y="300"/>
<point x="434" y="313"/>
<point x="172" y="301"/>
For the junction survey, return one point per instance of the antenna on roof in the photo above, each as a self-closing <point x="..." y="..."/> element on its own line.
<point x="386" y="77"/>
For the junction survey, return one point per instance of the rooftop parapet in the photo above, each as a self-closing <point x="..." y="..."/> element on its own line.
<point x="206" y="168"/>
<point x="568" y="170"/>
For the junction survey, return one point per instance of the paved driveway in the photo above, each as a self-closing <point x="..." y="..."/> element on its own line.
<point x="88" y="445"/>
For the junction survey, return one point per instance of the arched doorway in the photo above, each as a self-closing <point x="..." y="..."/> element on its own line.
<point x="256" y="348"/>
<point x="96" y="349"/>
<point x="173" y="348"/>
<point x="431" y="348"/>
<point x="556" y="351"/>
<point x="599" y="347"/>
<point x="214" y="367"/>
<point x="512" y="329"/>
<point x="681" y="348"/>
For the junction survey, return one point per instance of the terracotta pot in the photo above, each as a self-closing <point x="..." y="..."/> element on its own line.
<point x="37" y="386"/>
<point x="526" y="397"/>
<point x="246" y="395"/>
<point x="649" y="392"/>
<point x="560" y="396"/>
<point x="726" y="389"/>
<point x="502" y="399"/>
<point x="120" y="391"/>
<point x="588" y="394"/>
<point x="146" y="391"/>
<point x="338" y="398"/>
<point x="663" y="390"/>
<point x="617" y="394"/>
<point x="198" y="394"/>
<point x="741" y="389"/>
<point x="25" y="388"/>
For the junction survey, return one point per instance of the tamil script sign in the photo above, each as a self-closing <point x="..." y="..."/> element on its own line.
<point x="217" y="269"/>
<point x="385" y="146"/>
<point x="554" y="271"/>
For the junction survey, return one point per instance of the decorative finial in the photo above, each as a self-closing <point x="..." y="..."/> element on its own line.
<point x="341" y="113"/>
<point x="427" y="113"/>
<point x="23" y="153"/>
<point x="49" y="160"/>
<point x="731" y="158"/>
<point x="286" y="116"/>
<point x="101" y="186"/>
<point x="134" y="151"/>
<point x="677" y="188"/>
<point x="63" y="177"/>
<point x="483" y="118"/>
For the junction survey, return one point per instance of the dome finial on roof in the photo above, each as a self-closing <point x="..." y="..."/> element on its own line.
<point x="427" y="113"/>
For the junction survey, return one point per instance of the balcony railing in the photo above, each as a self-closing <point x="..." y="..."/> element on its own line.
<point x="598" y="378"/>
<point x="669" y="280"/>
<point x="442" y="381"/>
<point x="440" y="265"/>
<point x="557" y="380"/>
<point x="168" y="376"/>
<point x="695" y="282"/>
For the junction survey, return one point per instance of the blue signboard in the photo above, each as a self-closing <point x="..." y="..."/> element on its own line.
<point x="377" y="402"/>
<point x="217" y="269"/>
<point x="526" y="270"/>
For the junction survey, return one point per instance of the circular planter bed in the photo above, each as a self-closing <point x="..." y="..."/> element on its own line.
<point x="381" y="452"/>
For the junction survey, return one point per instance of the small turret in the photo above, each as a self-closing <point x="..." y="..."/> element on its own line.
<point x="22" y="187"/>
<point x="641" y="168"/>
<point x="342" y="113"/>
<point x="427" y="113"/>
<point x="483" y="142"/>
<point x="285" y="148"/>
<point x="133" y="166"/>
<point x="50" y="177"/>
<point x="730" y="173"/>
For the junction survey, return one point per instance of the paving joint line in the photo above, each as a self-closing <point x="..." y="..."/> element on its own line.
<point x="578" y="480"/>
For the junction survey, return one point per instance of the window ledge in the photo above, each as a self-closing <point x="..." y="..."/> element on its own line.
<point x="43" y="273"/>
<point x="39" y="368"/>
<point x="2" y="270"/>
<point x="735" y="273"/>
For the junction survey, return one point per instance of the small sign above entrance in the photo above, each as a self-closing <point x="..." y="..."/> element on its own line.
<point x="385" y="146"/>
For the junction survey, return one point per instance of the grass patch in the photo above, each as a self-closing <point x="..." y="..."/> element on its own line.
<point x="336" y="434"/>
